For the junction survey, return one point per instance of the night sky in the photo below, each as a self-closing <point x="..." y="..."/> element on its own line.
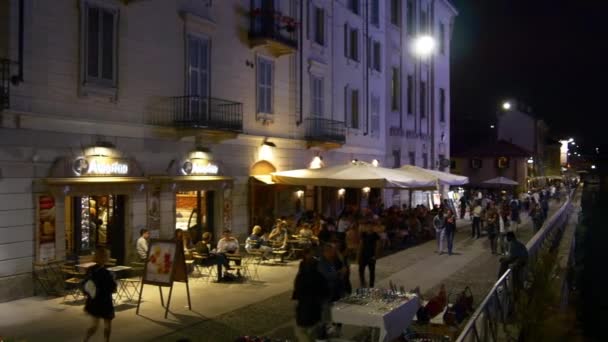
<point x="551" y="54"/>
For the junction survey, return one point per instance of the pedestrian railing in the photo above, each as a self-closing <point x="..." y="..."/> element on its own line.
<point x="489" y="322"/>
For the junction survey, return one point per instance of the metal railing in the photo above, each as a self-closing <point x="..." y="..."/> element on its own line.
<point x="267" y="22"/>
<point x="5" y="83"/>
<point x="201" y="112"/>
<point x="325" y="130"/>
<point x="489" y="322"/>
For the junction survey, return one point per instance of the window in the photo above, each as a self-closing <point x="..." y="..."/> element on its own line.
<point x="396" y="158"/>
<point x="442" y="38"/>
<point x="353" y="6"/>
<point x="441" y="104"/>
<point x="353" y="51"/>
<point x="100" y="45"/>
<point x="410" y="17"/>
<point x="319" y="26"/>
<point x="265" y="81"/>
<point x="375" y="103"/>
<point x="425" y="160"/>
<point x="424" y="22"/>
<point x="422" y="99"/>
<point x="442" y="162"/>
<point x="412" y="157"/>
<point x="317" y="96"/>
<point x="375" y="13"/>
<point x="395" y="92"/>
<point x="410" y="94"/>
<point x="351" y="107"/>
<point x="198" y="75"/>
<point x="396" y="12"/>
<point x="377" y="56"/>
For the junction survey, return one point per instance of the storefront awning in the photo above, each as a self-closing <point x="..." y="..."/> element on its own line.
<point x="88" y="180"/>
<point x="191" y="178"/>
<point x="266" y="179"/>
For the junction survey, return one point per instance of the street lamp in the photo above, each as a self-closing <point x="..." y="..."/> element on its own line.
<point x="423" y="46"/>
<point x="506" y="105"/>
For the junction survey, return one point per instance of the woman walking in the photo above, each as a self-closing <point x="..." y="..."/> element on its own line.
<point x="492" y="226"/>
<point x="450" y="229"/>
<point x="99" y="287"/>
<point x="439" y="225"/>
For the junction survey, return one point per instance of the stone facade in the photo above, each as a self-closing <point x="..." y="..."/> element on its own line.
<point x="58" y="108"/>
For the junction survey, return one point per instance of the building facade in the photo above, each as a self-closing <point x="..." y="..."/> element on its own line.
<point x="519" y="126"/>
<point x="499" y="159"/>
<point x="121" y="115"/>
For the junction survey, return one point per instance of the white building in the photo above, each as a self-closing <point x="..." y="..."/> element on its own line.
<point x="157" y="113"/>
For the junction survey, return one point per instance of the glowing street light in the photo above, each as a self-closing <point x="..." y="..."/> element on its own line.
<point x="506" y="105"/>
<point x="424" y="46"/>
<point x="593" y="167"/>
<point x="491" y="126"/>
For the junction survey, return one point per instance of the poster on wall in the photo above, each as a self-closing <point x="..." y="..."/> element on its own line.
<point x="161" y="261"/>
<point x="153" y="209"/>
<point x="46" y="227"/>
<point x="227" y="212"/>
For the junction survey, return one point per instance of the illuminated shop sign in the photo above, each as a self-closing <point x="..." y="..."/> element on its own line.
<point x="193" y="167"/>
<point x="100" y="166"/>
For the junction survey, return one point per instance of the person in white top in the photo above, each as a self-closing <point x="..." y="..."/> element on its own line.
<point x="228" y="243"/>
<point x="142" y="244"/>
<point x="476" y="227"/>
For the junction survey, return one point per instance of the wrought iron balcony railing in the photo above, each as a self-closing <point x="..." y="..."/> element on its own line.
<point x="202" y="112"/>
<point x="269" y="24"/>
<point x="5" y="83"/>
<point x="325" y="130"/>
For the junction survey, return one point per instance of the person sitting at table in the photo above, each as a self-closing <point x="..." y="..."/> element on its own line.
<point x="255" y="242"/>
<point x="307" y="235"/>
<point x="142" y="244"/>
<point x="208" y="258"/>
<point x="229" y="246"/>
<point x="278" y="236"/>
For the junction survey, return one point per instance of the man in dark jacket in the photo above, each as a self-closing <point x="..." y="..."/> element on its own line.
<point x="517" y="259"/>
<point x="311" y="291"/>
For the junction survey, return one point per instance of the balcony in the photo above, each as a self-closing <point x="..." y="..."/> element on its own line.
<point x="395" y="131"/>
<point x="324" y="132"/>
<point x="5" y="83"/>
<point x="200" y="113"/>
<point x="271" y="29"/>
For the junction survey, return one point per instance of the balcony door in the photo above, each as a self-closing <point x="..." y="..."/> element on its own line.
<point x="198" y="80"/>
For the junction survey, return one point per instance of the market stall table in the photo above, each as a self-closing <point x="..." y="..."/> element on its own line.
<point x="391" y="318"/>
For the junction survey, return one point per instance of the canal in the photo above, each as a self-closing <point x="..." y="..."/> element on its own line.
<point x="592" y="261"/>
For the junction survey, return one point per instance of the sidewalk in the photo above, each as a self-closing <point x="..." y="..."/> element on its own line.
<point x="222" y="312"/>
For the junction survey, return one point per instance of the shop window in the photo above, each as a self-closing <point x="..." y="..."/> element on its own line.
<point x="194" y="212"/>
<point x="96" y="220"/>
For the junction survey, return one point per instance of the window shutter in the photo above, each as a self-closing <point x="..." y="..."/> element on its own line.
<point x="346" y="107"/>
<point x="308" y="19"/>
<point x="345" y="40"/>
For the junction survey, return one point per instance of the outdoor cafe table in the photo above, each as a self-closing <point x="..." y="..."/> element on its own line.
<point x="391" y="319"/>
<point x="123" y="291"/>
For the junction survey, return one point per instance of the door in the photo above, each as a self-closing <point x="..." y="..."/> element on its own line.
<point x="198" y="80"/>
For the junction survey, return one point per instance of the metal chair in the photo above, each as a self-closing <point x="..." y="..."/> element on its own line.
<point x="71" y="283"/>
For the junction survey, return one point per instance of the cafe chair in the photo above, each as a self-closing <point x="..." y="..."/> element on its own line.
<point x="71" y="283"/>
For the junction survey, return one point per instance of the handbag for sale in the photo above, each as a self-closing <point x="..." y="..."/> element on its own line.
<point x="456" y="313"/>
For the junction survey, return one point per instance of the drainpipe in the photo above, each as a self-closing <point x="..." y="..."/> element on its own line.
<point x="301" y="53"/>
<point x="16" y="79"/>
<point x="366" y="66"/>
<point x="432" y="114"/>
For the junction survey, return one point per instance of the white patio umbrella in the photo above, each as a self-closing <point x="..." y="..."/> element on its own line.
<point x="355" y="175"/>
<point x="443" y="177"/>
<point x="500" y="181"/>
